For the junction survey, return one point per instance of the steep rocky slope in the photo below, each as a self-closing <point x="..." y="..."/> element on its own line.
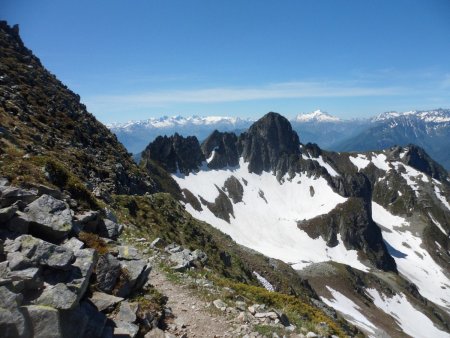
<point x="385" y="214"/>
<point x="71" y="202"/>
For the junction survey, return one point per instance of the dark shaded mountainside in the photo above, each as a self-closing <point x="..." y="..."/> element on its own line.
<point x="72" y="199"/>
<point x="384" y="178"/>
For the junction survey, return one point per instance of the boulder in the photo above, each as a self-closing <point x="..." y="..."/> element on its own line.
<point x="82" y="270"/>
<point x="9" y="195"/>
<point x="109" y="229"/>
<point x="58" y="297"/>
<point x="128" y="252"/>
<point x="103" y="301"/>
<point x="17" y="261"/>
<point x="9" y="299"/>
<point x="73" y="244"/>
<point x="13" y="323"/>
<point x="182" y="259"/>
<point x="30" y="279"/>
<point x="44" y="253"/>
<point x="86" y="221"/>
<point x="125" y="329"/>
<point x="127" y="312"/>
<point x="19" y="223"/>
<point x="108" y="270"/>
<point x="96" y="320"/>
<point x="49" y="218"/>
<point x="44" y="321"/>
<point x="136" y="272"/>
<point x="7" y="213"/>
<point x="200" y="256"/>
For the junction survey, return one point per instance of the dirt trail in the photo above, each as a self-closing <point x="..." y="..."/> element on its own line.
<point x="193" y="316"/>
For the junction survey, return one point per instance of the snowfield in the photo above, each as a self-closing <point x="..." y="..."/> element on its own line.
<point x="266" y="219"/>
<point x="413" y="261"/>
<point x="350" y="311"/>
<point x="412" y="321"/>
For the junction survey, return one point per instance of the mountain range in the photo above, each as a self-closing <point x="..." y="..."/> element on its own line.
<point x="428" y="129"/>
<point x="270" y="235"/>
<point x="369" y="229"/>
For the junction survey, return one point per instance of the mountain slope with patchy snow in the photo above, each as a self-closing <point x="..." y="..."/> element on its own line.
<point x="385" y="215"/>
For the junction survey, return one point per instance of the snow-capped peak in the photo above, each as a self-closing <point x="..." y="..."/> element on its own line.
<point x="174" y="121"/>
<point x="436" y="116"/>
<point x="317" y="116"/>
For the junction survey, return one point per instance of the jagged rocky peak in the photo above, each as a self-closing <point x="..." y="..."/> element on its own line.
<point x="269" y="142"/>
<point x="221" y="150"/>
<point x="418" y="158"/>
<point x="176" y="153"/>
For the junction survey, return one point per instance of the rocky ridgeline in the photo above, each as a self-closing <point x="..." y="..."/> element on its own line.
<point x="52" y="284"/>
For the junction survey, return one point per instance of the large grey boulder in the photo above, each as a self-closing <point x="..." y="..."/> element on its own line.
<point x="73" y="244"/>
<point x="127" y="312"/>
<point x="9" y="299"/>
<point x="44" y="321"/>
<point x="81" y="271"/>
<point x="107" y="270"/>
<point x="9" y="195"/>
<point x="58" y="296"/>
<point x="30" y="279"/>
<point x="86" y="221"/>
<point x="109" y="229"/>
<point x="182" y="259"/>
<point x="13" y="323"/>
<point x="49" y="218"/>
<point x="137" y="272"/>
<point x="40" y="252"/>
<point x="104" y="301"/>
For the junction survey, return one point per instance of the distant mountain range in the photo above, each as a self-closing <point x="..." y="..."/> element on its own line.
<point x="428" y="129"/>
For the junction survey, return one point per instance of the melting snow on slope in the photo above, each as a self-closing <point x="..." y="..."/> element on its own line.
<point x="413" y="261"/>
<point x="328" y="167"/>
<point x="350" y="310"/>
<point x="439" y="225"/>
<point x="412" y="321"/>
<point x="264" y="282"/>
<point x="360" y="161"/>
<point x="441" y="197"/>
<point x="271" y="227"/>
<point x="380" y="161"/>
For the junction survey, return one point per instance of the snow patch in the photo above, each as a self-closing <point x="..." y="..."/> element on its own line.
<point x="264" y="282"/>
<point x="360" y="161"/>
<point x="328" y="167"/>
<point x="269" y="225"/>
<point x="441" y="197"/>
<point x="350" y="310"/>
<point x="413" y="261"/>
<point x="412" y="321"/>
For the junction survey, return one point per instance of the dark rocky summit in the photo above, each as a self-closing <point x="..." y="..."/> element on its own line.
<point x="176" y="153"/>
<point x="224" y="146"/>
<point x="269" y="143"/>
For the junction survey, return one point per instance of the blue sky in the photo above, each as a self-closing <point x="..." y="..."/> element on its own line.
<point x="137" y="59"/>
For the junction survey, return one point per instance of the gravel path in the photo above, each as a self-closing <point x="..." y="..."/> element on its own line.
<point x="193" y="316"/>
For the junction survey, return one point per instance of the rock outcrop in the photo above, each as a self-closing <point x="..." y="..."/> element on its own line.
<point x="45" y="272"/>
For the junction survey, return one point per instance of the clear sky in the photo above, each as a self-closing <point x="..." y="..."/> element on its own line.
<point x="143" y="58"/>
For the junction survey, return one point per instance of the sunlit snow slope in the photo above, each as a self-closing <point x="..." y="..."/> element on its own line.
<point x="266" y="219"/>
